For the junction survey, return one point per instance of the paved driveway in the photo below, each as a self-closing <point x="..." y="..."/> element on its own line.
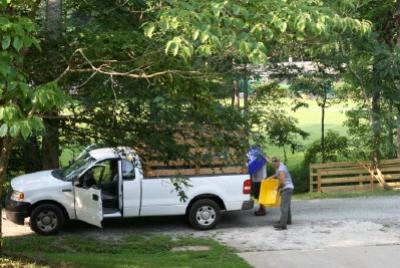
<point x="322" y="229"/>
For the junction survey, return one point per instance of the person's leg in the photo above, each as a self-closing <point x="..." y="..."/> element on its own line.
<point x="285" y="206"/>
<point x="256" y="194"/>
<point x="289" y="221"/>
<point x="262" y="208"/>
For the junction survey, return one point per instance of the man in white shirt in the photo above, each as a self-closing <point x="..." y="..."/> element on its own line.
<point x="286" y="188"/>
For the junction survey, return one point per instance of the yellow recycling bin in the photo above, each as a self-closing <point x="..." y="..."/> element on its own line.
<point x="269" y="193"/>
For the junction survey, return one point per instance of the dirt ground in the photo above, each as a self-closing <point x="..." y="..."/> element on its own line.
<point x="317" y="224"/>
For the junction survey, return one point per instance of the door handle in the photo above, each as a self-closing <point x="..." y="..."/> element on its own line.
<point x="66" y="190"/>
<point x="95" y="197"/>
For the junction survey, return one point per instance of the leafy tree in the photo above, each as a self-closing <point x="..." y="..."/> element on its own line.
<point x="371" y="72"/>
<point x="270" y="123"/>
<point x="22" y="104"/>
<point x="318" y="86"/>
<point x="247" y="29"/>
<point x="336" y="149"/>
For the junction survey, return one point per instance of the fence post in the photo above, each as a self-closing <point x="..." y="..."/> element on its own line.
<point x="319" y="181"/>
<point x="311" y="179"/>
<point x="371" y="181"/>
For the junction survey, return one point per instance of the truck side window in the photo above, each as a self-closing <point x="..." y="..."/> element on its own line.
<point x="128" y="170"/>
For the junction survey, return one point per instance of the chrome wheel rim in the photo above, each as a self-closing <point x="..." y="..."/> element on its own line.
<point x="206" y="215"/>
<point x="47" y="221"/>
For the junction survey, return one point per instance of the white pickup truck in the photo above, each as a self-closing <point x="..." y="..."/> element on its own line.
<point x="109" y="183"/>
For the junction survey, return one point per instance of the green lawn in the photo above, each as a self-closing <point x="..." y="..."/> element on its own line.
<point x="310" y="121"/>
<point x="130" y="251"/>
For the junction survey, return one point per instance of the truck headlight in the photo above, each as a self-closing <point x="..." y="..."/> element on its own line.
<point x="17" y="196"/>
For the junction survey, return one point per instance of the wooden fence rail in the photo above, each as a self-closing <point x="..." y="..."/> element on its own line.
<point x="352" y="176"/>
<point x="215" y="166"/>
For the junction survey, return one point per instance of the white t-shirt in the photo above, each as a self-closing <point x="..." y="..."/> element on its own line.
<point x="288" y="180"/>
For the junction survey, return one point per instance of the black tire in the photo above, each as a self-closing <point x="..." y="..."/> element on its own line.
<point x="209" y="208"/>
<point x="47" y="219"/>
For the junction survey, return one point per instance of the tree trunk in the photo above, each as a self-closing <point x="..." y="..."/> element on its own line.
<point x="53" y="19"/>
<point x="323" y="106"/>
<point x="376" y="125"/>
<point x="235" y="94"/>
<point x="6" y="147"/>
<point x="50" y="143"/>
<point x="32" y="155"/>
<point x="398" y="133"/>
<point x="391" y="125"/>
<point x="234" y="86"/>
<point x="397" y="18"/>
<point x="246" y="92"/>
<point x="285" y="158"/>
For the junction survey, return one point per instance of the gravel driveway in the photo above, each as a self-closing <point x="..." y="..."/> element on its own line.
<point x="317" y="224"/>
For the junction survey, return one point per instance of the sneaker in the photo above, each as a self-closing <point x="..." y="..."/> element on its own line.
<point x="260" y="213"/>
<point x="278" y="223"/>
<point x="279" y="227"/>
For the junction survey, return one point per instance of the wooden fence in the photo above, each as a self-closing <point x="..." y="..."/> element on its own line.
<point x="353" y="176"/>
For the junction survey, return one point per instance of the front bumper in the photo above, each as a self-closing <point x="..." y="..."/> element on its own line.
<point x="17" y="211"/>
<point x="249" y="204"/>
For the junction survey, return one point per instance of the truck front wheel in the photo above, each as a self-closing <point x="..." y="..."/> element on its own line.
<point x="47" y="219"/>
<point x="204" y="214"/>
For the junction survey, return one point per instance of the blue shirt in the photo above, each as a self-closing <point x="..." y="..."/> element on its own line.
<point x="288" y="179"/>
<point x="260" y="174"/>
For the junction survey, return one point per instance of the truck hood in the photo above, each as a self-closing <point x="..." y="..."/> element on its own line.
<point x="37" y="180"/>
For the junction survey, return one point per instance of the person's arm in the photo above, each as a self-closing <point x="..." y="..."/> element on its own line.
<point x="282" y="178"/>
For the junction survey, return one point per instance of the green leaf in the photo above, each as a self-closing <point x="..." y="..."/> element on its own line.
<point x="25" y="130"/>
<point x="5" y="43"/>
<point x="15" y="129"/>
<point x="301" y="24"/>
<point x="149" y="30"/>
<point x="204" y="36"/>
<point x="168" y="46"/>
<point x="17" y="43"/>
<point x="36" y="124"/>
<point x="176" y="50"/>
<point x="4" y="70"/>
<point x="3" y="130"/>
<point x="195" y="34"/>
<point x="282" y="26"/>
<point x="36" y="44"/>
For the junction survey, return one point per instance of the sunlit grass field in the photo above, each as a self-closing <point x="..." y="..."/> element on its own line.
<point x="309" y="120"/>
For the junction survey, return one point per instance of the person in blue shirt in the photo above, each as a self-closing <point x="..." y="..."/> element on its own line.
<point x="258" y="171"/>
<point x="286" y="188"/>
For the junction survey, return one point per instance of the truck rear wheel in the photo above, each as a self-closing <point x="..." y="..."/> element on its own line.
<point x="204" y="214"/>
<point x="47" y="219"/>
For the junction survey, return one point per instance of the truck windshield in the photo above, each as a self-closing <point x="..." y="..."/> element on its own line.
<point x="73" y="170"/>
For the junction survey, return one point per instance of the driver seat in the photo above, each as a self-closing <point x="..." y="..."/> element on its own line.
<point x="109" y="200"/>
<point x="109" y="192"/>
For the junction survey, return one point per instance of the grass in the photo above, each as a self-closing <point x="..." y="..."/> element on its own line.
<point x="130" y="251"/>
<point x="351" y="194"/>
<point x="309" y="120"/>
